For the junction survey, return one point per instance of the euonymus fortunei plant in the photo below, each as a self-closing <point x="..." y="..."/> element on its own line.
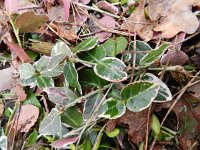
<point x="99" y="69"/>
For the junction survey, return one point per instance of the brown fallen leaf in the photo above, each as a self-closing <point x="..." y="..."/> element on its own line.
<point x="136" y="124"/>
<point x="18" y="51"/>
<point x="138" y="23"/>
<point x="194" y="90"/>
<point x="56" y="14"/>
<point x="179" y="18"/>
<point x="175" y="57"/>
<point x="29" y="22"/>
<point x="28" y="115"/>
<point x="65" y="31"/>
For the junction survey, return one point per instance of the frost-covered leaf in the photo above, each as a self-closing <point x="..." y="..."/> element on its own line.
<point x="44" y="82"/>
<point x="153" y="55"/>
<point x="51" y="125"/>
<point x="42" y="63"/>
<point x="3" y="140"/>
<point x="139" y="95"/>
<point x="29" y="22"/>
<point x="93" y="55"/>
<point x="30" y="81"/>
<point x="88" y="78"/>
<point x="72" y="117"/>
<point x="164" y="93"/>
<point x="54" y="62"/>
<point x="25" y="122"/>
<point x="71" y="76"/>
<point x="26" y="71"/>
<point x="112" y="109"/>
<point x="86" y="45"/>
<point x="61" y="143"/>
<point x="111" y="69"/>
<point x="90" y="105"/>
<point x="61" y="95"/>
<point x="61" y="48"/>
<point x="114" y="47"/>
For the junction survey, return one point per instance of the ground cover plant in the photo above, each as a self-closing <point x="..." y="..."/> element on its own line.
<point x="92" y="74"/>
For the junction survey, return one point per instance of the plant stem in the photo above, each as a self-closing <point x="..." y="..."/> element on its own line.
<point x="16" y="32"/>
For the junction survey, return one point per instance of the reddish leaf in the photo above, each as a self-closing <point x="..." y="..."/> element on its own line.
<point x="51" y="1"/>
<point x="28" y="115"/>
<point x="65" y="141"/>
<point x="108" y="22"/>
<point x="12" y="6"/>
<point x="175" y="57"/>
<point x="66" y="5"/>
<point x="108" y="7"/>
<point x="20" y="93"/>
<point x="18" y="51"/>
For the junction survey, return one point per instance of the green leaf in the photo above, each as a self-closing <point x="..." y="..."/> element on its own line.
<point x="26" y="71"/>
<point x="155" y="125"/>
<point x="29" y="22"/>
<point x="86" y="45"/>
<point x="53" y="72"/>
<point x="71" y="76"/>
<point x="32" y="138"/>
<point x="31" y="99"/>
<point x="153" y="55"/>
<point x="43" y="66"/>
<point x="44" y="82"/>
<point x="88" y="78"/>
<point x="111" y="69"/>
<point x="112" y="109"/>
<point x="51" y="125"/>
<point x="164" y="93"/>
<point x="139" y="95"/>
<point x="113" y="133"/>
<point x="3" y="140"/>
<point x="90" y="105"/>
<point x="61" y="48"/>
<point x="93" y="55"/>
<point x="114" y="47"/>
<point x="55" y="60"/>
<point x="87" y="145"/>
<point x="61" y="95"/>
<point x="72" y="117"/>
<point x="29" y="81"/>
<point x="42" y="63"/>
<point x="32" y="55"/>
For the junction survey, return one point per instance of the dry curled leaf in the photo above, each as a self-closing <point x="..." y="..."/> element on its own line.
<point x="28" y="115"/>
<point x="179" y="18"/>
<point x="138" y="23"/>
<point x="136" y="124"/>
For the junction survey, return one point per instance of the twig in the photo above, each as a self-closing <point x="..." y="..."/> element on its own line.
<point x="96" y="9"/>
